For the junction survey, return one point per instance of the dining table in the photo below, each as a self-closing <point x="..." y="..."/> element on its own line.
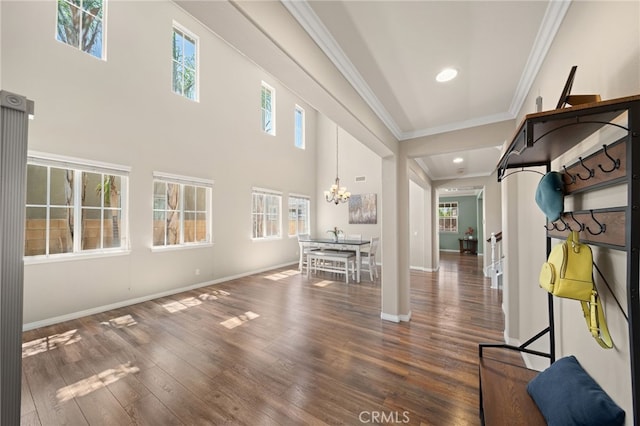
<point x="335" y="244"/>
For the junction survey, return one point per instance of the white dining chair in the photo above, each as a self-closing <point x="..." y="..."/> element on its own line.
<point x="305" y="249"/>
<point x="368" y="259"/>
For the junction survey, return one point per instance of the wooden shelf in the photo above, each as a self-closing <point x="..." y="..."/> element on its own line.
<point x="544" y="136"/>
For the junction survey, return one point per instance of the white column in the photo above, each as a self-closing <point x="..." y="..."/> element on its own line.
<point x="395" y="240"/>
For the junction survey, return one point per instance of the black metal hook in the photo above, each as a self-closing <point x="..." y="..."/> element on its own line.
<point x="580" y="225"/>
<point x="553" y="226"/>
<point x="616" y="162"/>
<point x="591" y="171"/>
<point x="572" y="177"/>
<point x="603" y="227"/>
<point x="566" y="225"/>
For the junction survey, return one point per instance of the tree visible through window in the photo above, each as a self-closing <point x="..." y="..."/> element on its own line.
<point x="265" y="212"/>
<point x="184" y="64"/>
<point x="72" y="210"/>
<point x="80" y="24"/>
<point x="181" y="212"/>
<point x="448" y="216"/>
<point x="267" y="106"/>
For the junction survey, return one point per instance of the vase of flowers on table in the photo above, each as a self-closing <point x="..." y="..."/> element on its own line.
<point x="469" y="233"/>
<point x="335" y="232"/>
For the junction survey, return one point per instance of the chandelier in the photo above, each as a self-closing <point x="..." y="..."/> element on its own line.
<point x="337" y="194"/>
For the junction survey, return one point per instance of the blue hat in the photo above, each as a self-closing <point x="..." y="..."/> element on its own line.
<point x="550" y="195"/>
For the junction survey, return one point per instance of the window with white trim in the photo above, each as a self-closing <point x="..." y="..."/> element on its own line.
<point x="80" y="23"/>
<point x="268" y="109"/>
<point x="185" y="63"/>
<point x="298" y="127"/>
<point x="448" y="216"/>
<point x="265" y="213"/>
<point x="299" y="207"/>
<point x="181" y="210"/>
<point x="74" y="207"/>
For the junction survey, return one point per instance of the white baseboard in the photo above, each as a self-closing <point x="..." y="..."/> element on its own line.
<point x="423" y="269"/>
<point x="128" y="302"/>
<point x="458" y="251"/>
<point x="396" y="318"/>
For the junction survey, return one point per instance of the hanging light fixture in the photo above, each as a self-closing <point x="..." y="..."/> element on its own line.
<point x="337" y="194"/>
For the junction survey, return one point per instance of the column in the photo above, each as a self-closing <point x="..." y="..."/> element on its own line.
<point x="395" y="240"/>
<point x="14" y="116"/>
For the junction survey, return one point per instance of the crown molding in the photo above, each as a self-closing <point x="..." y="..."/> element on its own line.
<point x="551" y="21"/>
<point x="553" y="17"/>
<point x="308" y="19"/>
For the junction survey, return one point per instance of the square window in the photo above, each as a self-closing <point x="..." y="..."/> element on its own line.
<point x="80" y="23"/>
<point x="181" y="211"/>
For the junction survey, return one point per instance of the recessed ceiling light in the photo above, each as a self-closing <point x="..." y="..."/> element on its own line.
<point x="458" y="160"/>
<point x="446" y="75"/>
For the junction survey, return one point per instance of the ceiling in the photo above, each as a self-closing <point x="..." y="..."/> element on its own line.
<point x="391" y="52"/>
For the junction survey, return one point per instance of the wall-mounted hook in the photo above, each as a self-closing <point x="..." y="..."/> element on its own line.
<point x="603" y="227"/>
<point x="572" y="177"/>
<point x="566" y="226"/>
<point x="550" y="228"/>
<point x="591" y="171"/>
<point x="616" y="161"/>
<point x="580" y="225"/>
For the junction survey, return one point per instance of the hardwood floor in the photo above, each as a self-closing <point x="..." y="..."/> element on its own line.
<point x="270" y="349"/>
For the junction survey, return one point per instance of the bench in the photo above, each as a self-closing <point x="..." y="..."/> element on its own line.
<point x="511" y="394"/>
<point x="503" y="395"/>
<point x="331" y="261"/>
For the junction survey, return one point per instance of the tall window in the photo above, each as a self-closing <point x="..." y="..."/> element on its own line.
<point x="181" y="210"/>
<point x="80" y="24"/>
<point x="265" y="212"/>
<point x="298" y="215"/>
<point x="185" y="77"/>
<point x="74" y="207"/>
<point x="268" y="108"/>
<point x="298" y="123"/>
<point x="448" y="216"/>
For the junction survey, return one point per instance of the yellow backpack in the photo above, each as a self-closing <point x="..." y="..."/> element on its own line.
<point x="568" y="273"/>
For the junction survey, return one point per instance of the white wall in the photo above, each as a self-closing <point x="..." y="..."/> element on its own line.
<point x="0" y="45"/>
<point x="123" y="111"/>
<point x="492" y="213"/>
<point x="418" y="226"/>
<point x="608" y="59"/>
<point x="354" y="160"/>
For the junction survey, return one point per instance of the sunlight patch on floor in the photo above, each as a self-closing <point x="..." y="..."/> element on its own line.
<point x="214" y="295"/>
<point x="48" y="343"/>
<point x="323" y="283"/>
<point x="95" y="382"/>
<point x="282" y="274"/>
<point x="181" y="305"/>
<point x="121" y="322"/>
<point x="239" y="320"/>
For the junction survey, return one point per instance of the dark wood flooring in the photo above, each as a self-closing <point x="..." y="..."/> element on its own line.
<point x="270" y="349"/>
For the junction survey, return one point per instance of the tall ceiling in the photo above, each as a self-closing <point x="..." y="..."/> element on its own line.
<point x="390" y="52"/>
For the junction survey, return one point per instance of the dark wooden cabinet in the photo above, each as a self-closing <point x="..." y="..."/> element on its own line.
<point x="468" y="245"/>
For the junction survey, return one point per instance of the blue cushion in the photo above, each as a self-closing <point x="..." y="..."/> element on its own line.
<point x="567" y="395"/>
<point x="550" y="195"/>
